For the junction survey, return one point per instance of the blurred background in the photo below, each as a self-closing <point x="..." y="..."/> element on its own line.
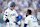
<point x="21" y="7"/>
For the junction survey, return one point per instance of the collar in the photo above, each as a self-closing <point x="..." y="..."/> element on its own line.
<point x="11" y="9"/>
<point x="29" y="15"/>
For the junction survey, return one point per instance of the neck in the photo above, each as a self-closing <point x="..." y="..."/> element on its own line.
<point x="29" y="14"/>
<point x="11" y="9"/>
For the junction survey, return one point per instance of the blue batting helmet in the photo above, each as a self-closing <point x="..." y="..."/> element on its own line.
<point x="12" y="4"/>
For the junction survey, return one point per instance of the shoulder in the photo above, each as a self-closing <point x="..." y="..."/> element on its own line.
<point x="28" y="17"/>
<point x="14" y="10"/>
<point x="7" y="10"/>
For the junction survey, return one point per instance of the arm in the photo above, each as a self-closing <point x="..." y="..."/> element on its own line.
<point x="26" y="22"/>
<point x="5" y="17"/>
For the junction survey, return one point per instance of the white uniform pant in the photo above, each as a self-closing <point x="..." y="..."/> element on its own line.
<point x="10" y="24"/>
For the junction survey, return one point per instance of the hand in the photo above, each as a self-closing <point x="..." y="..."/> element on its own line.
<point x="7" y="20"/>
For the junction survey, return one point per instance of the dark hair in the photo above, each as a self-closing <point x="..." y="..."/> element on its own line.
<point x="39" y="1"/>
<point x="29" y="11"/>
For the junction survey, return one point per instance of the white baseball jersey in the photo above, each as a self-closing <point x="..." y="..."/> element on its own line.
<point x="31" y="21"/>
<point x="11" y="15"/>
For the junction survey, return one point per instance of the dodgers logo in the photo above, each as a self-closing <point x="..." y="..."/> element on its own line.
<point x="12" y="15"/>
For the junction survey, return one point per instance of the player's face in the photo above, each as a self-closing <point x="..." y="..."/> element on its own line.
<point x="27" y="13"/>
<point x="13" y="7"/>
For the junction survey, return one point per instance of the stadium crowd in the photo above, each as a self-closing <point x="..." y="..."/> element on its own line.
<point x="21" y="7"/>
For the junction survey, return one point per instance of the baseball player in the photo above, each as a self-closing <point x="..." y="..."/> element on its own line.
<point x="30" y="21"/>
<point x="10" y="15"/>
